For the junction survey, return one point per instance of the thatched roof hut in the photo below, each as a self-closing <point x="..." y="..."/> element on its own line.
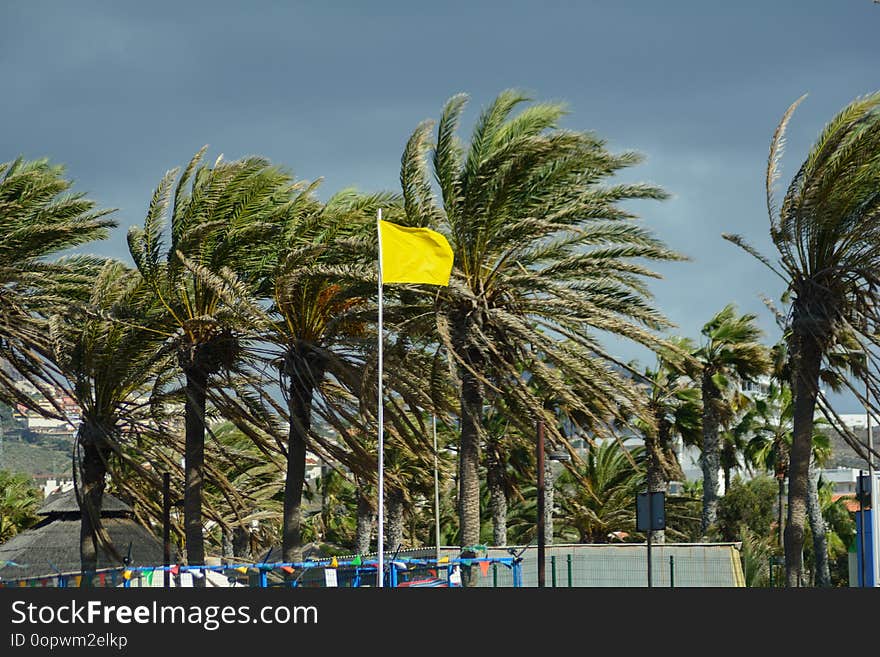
<point x="51" y="547"/>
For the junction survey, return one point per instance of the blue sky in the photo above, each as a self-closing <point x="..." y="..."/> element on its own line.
<point x="120" y="92"/>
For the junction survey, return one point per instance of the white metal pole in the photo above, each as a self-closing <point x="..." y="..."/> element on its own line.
<point x="872" y="488"/>
<point x="380" y="540"/>
<point x="436" y="489"/>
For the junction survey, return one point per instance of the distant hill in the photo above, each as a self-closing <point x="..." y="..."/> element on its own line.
<point x="36" y="457"/>
<point x="843" y="455"/>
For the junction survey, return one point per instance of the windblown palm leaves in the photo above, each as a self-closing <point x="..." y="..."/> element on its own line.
<point x="40" y="217"/>
<point x="827" y="232"/>
<point x="220" y="217"/>
<point x="542" y="250"/>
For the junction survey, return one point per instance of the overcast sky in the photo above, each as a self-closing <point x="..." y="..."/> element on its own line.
<point x="119" y="92"/>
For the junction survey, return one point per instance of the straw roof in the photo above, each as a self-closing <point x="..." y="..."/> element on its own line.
<point x="52" y="546"/>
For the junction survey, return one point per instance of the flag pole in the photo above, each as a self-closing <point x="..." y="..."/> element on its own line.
<point x="380" y="540"/>
<point x="436" y="489"/>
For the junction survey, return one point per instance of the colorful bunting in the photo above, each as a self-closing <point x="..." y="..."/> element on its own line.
<point x="484" y="568"/>
<point x="148" y="575"/>
<point x="102" y="578"/>
<point x="241" y="569"/>
<point x="334" y="563"/>
<point x="356" y="561"/>
<point x="443" y="560"/>
<point x="174" y="569"/>
<point x="287" y="569"/>
<point x="126" y="574"/>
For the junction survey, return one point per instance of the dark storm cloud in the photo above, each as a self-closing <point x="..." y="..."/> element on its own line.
<point x="120" y="92"/>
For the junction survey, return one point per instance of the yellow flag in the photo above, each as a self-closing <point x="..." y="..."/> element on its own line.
<point x="414" y="255"/>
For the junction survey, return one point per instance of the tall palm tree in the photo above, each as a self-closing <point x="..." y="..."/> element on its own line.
<point x="541" y="249"/>
<point x="39" y="218"/>
<point x="220" y="218"/>
<point x="729" y="354"/>
<point x="109" y="355"/>
<point x="827" y="233"/>
<point x="321" y="288"/>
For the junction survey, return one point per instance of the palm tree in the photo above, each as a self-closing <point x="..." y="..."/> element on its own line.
<point x="40" y="217"/>
<point x="729" y="354"/>
<point x="220" y="217"/>
<point x="541" y="249"/>
<point x="18" y="504"/>
<point x="321" y="287"/>
<point x="770" y="444"/>
<point x="109" y="355"/>
<point x="675" y="410"/>
<point x="827" y="233"/>
<point x="596" y="499"/>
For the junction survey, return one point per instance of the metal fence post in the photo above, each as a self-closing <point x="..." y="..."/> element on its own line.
<point x="495" y="575"/>
<point x="568" y="559"/>
<point x="671" y="571"/>
<point x="553" y="571"/>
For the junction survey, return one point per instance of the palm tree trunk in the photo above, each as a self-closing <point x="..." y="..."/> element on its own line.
<point x="94" y="471"/>
<point x="817" y="525"/>
<point x="469" y="456"/>
<point x="781" y="510"/>
<point x="194" y="463"/>
<point x="806" y="360"/>
<point x="365" y="516"/>
<point x="227" y="551"/>
<point x="548" y="502"/>
<point x="301" y="389"/>
<point x="394" y="519"/>
<point x="729" y="459"/>
<point x="710" y="457"/>
<point x="241" y="542"/>
<point x="495" y="468"/>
